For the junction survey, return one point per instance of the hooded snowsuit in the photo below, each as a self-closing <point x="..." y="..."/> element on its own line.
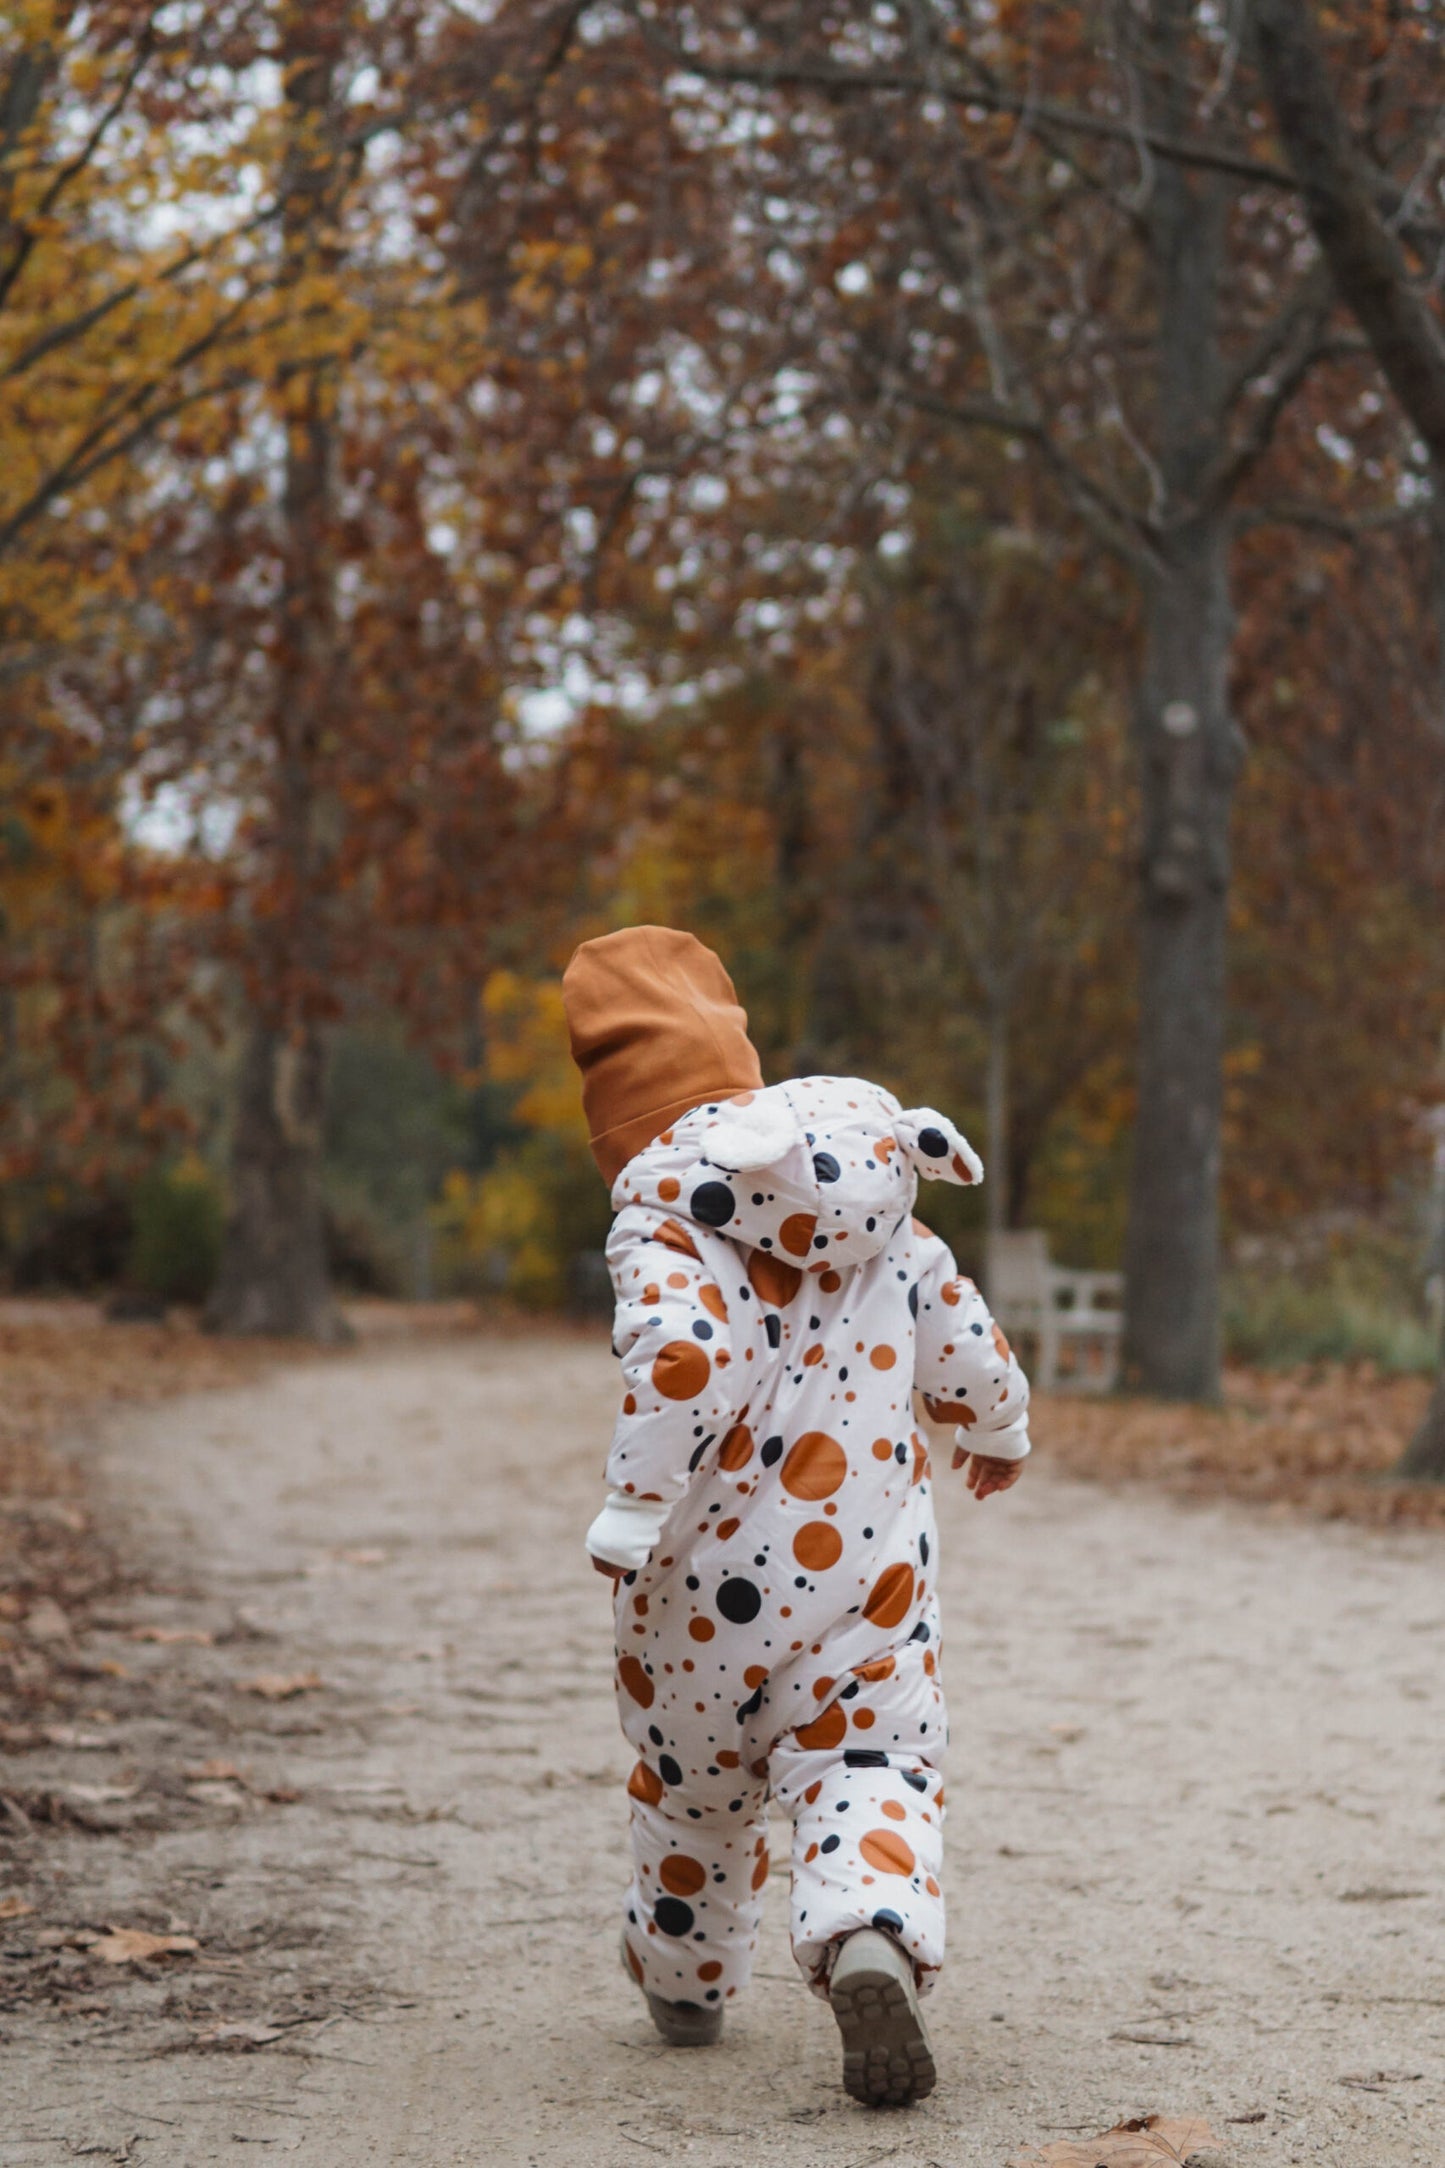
<point x="771" y="1499"/>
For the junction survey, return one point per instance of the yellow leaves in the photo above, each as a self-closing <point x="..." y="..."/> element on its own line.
<point x="515" y="1224"/>
<point x="544" y="265"/>
<point x="31" y="22"/>
<point x="55" y="854"/>
<point x="501" y="1225"/>
<point x="531" y="296"/>
<point x="527" y="1044"/>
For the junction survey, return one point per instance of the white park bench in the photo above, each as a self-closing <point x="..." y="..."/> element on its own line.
<point x="1072" y="1320"/>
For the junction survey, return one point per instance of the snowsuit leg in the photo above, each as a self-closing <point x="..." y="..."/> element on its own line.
<point x="863" y="1785"/>
<point x="696" y="1897"/>
<point x="700" y="1862"/>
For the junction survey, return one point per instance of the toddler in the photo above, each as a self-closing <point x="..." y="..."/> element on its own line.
<point x="769" y="1520"/>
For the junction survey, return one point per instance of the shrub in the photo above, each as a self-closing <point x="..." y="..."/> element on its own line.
<point x="518" y="1227"/>
<point x="1361" y="1301"/>
<point x="64" y="1243"/>
<point x="178" y="1217"/>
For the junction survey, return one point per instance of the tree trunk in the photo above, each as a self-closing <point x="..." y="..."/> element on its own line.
<point x="1189" y="759"/>
<point x="1171" y="1332"/>
<point x="273" y="1276"/>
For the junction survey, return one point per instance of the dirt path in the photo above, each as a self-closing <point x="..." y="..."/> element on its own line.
<point x="1197" y="1846"/>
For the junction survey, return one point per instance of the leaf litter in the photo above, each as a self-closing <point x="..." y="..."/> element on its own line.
<point x="1146" y="2141"/>
<point x="1321" y="1439"/>
<point x="281" y="1685"/>
<point x="134" y="1946"/>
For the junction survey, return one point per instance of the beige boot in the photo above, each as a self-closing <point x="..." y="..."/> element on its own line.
<point x="681" y="2024"/>
<point x="887" y="2061"/>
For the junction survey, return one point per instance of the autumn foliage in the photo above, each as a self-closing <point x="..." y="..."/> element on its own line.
<point x="468" y="483"/>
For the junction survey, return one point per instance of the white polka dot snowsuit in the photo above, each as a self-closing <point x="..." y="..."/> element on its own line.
<point x="777" y="1631"/>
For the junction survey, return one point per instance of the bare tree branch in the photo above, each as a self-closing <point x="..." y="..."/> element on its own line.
<point x="1275" y="336"/>
<point x="1288" y="373"/>
<point x="808" y="74"/>
<point x="74" y="167"/>
<point x="1364" y="256"/>
<point x="97" y="447"/>
<point x="1129" y="534"/>
<point x="1328" y="519"/>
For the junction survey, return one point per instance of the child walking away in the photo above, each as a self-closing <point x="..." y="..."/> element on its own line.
<point x="769" y="1519"/>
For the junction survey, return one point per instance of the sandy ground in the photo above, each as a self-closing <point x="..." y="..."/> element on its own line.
<point x="1196" y="1783"/>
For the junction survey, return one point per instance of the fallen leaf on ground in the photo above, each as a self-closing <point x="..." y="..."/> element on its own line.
<point x="171" y="1636"/>
<point x="1148" y="2141"/>
<point x="363" y="1557"/>
<point x="1372" y="2081"/>
<point x="99" y="1795"/>
<point x="14" y="1908"/>
<point x="280" y="1685"/>
<point x="67" y="1735"/>
<point x="214" y="1793"/>
<point x="45" y="1621"/>
<point x="131" y="1945"/>
<point x="282" y="1795"/>
<point x="240" y="2035"/>
<point x="214" y="1772"/>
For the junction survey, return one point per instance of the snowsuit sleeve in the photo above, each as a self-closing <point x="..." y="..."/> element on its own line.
<point x="671" y="1335"/>
<point x="964" y="1367"/>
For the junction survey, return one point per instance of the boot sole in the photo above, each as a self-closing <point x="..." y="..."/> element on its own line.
<point x="887" y="2060"/>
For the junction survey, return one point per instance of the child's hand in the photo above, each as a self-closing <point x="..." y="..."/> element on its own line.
<point x="613" y="1573"/>
<point x="986" y="1475"/>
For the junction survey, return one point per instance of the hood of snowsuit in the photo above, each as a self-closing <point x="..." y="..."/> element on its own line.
<point x="815" y="1174"/>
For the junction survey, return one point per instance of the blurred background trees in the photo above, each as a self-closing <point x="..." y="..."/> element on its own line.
<point x="906" y="491"/>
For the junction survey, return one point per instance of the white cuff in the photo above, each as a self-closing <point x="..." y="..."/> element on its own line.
<point x="625" y="1532"/>
<point x="1011" y="1443"/>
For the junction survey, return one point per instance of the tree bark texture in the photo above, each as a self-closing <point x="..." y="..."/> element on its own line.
<point x="1188" y="760"/>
